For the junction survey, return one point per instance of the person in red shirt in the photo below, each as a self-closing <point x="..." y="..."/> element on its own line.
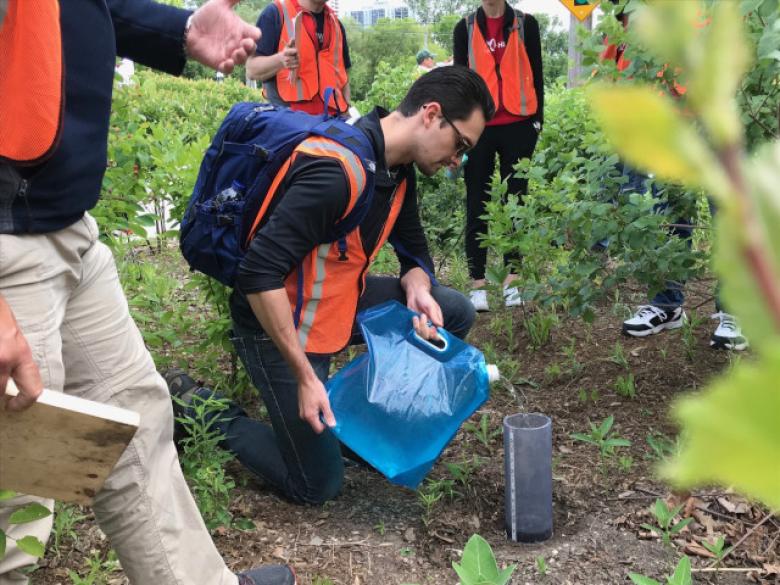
<point x="504" y="47"/>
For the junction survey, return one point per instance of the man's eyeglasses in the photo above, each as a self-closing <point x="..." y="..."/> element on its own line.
<point x="463" y="145"/>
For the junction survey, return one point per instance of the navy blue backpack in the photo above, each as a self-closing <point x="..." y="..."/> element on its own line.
<point x="247" y="152"/>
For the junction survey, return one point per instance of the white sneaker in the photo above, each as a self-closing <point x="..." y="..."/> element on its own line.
<point x="512" y="297"/>
<point x="478" y="298"/>
<point x="650" y="319"/>
<point x="728" y="334"/>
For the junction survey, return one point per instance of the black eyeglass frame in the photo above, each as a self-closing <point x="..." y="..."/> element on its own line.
<point x="464" y="145"/>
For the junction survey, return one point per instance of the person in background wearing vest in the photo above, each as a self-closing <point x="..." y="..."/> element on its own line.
<point x="64" y="321"/>
<point x="503" y="46"/>
<point x="441" y="117"/>
<point x="665" y="309"/>
<point x="303" y="51"/>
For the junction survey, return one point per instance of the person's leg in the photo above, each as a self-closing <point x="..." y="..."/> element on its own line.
<point x="515" y="142"/>
<point x="34" y="282"/>
<point x="288" y="454"/>
<point x="457" y="311"/>
<point x="477" y="174"/>
<point x="145" y="507"/>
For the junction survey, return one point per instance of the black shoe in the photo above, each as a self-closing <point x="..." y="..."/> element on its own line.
<point x="268" y="575"/>
<point x="182" y="389"/>
<point x="650" y="319"/>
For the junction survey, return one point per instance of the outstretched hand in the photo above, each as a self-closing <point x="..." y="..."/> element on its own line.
<point x="218" y="38"/>
<point x="16" y="362"/>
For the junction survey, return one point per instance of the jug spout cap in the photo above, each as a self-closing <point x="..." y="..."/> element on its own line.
<point x="493" y="373"/>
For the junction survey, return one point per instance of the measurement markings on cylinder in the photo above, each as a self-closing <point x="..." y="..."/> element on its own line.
<point x="512" y="487"/>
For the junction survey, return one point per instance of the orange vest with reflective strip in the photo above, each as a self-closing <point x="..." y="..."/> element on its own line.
<point x="31" y="79"/>
<point x="332" y="282"/>
<point x="318" y="69"/>
<point x="518" y="93"/>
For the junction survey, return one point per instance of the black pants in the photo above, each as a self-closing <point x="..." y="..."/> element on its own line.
<point x="512" y="142"/>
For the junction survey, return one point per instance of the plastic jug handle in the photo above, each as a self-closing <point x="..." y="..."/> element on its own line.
<point x="440" y="352"/>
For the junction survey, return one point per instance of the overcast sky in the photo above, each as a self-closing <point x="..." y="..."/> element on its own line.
<point x="551" y="7"/>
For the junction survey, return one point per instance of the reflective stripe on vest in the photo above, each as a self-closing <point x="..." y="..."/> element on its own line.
<point x="31" y="94"/>
<point x="518" y="95"/>
<point x="318" y="68"/>
<point x="332" y="286"/>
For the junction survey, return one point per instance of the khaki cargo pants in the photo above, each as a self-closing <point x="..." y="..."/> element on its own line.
<point x="64" y="290"/>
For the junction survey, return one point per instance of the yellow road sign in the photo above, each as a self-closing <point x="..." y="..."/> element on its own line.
<point x="580" y="8"/>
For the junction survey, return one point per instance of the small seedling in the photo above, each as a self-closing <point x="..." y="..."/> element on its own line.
<point x="482" y="430"/>
<point x="541" y="565"/>
<point x="618" y="356"/>
<point x="688" y="333"/>
<point x="626" y="462"/>
<point x="66" y="517"/>
<point x="478" y="565"/>
<point x="599" y="436"/>
<point x="428" y="496"/>
<point x="625" y="386"/>
<point x="584" y="395"/>
<point x="665" y="519"/>
<point x="681" y="576"/>
<point x="380" y="527"/>
<point x="661" y="446"/>
<point x="718" y="549"/>
<point x="406" y="551"/>
<point x="539" y="327"/>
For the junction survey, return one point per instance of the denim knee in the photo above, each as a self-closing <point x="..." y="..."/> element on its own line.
<point x="317" y="492"/>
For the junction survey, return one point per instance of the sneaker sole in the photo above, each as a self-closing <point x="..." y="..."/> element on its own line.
<point x="720" y="343"/>
<point x="657" y="329"/>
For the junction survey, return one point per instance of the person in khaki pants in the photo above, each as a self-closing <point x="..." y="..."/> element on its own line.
<point x="64" y="320"/>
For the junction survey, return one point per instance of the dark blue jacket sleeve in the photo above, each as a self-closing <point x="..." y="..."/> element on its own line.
<point x="150" y="33"/>
<point x="270" y="25"/>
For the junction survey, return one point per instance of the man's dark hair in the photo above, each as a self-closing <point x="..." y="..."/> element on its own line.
<point x="458" y="89"/>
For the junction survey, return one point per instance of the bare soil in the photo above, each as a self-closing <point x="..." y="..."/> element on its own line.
<point x="377" y="533"/>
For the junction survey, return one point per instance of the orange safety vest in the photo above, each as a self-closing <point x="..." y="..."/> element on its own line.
<point x="518" y="93"/>
<point x="330" y="281"/>
<point x="31" y="79"/>
<point x="318" y="69"/>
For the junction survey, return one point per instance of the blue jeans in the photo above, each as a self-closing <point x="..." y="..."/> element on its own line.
<point x="673" y="295"/>
<point x="288" y="454"/>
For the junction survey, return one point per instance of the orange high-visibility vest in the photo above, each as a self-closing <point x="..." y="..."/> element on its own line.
<point x="518" y="93"/>
<point x="318" y="69"/>
<point x="329" y="281"/>
<point x="31" y="79"/>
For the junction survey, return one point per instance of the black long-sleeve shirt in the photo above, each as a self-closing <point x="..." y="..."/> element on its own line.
<point x="533" y="47"/>
<point x="313" y="198"/>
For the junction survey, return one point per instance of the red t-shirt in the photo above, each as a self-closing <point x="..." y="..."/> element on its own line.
<point x="497" y="45"/>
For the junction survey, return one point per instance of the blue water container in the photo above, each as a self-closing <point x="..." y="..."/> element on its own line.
<point x="399" y="404"/>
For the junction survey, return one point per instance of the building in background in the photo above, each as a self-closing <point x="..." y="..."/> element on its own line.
<point x="367" y="13"/>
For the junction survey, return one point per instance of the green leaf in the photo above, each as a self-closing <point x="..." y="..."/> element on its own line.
<point x="740" y="414"/>
<point x="739" y="288"/>
<point x="29" y="513"/>
<point x="2" y="543"/>
<point x="642" y="580"/>
<point x="478" y="564"/>
<point x="715" y="77"/>
<point x="7" y="494"/>
<point x="653" y="136"/>
<point x="505" y="575"/>
<point x="31" y="545"/>
<point x="682" y="574"/>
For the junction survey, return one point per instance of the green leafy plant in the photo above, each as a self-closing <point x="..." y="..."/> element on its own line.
<point x="99" y="569"/>
<point x="66" y="516"/>
<point x="428" y="496"/>
<point x="717" y="548"/>
<point x="625" y="462"/>
<point x="600" y="436"/>
<point x="539" y="326"/>
<point x="707" y="147"/>
<point x="664" y="516"/>
<point x="478" y="565"/>
<point x="482" y="430"/>
<point x="203" y="461"/>
<point x="22" y="515"/>
<point x="625" y="386"/>
<point x="660" y="445"/>
<point x="681" y="575"/>
<point x="688" y="334"/>
<point x="541" y="565"/>
<point x="618" y="356"/>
